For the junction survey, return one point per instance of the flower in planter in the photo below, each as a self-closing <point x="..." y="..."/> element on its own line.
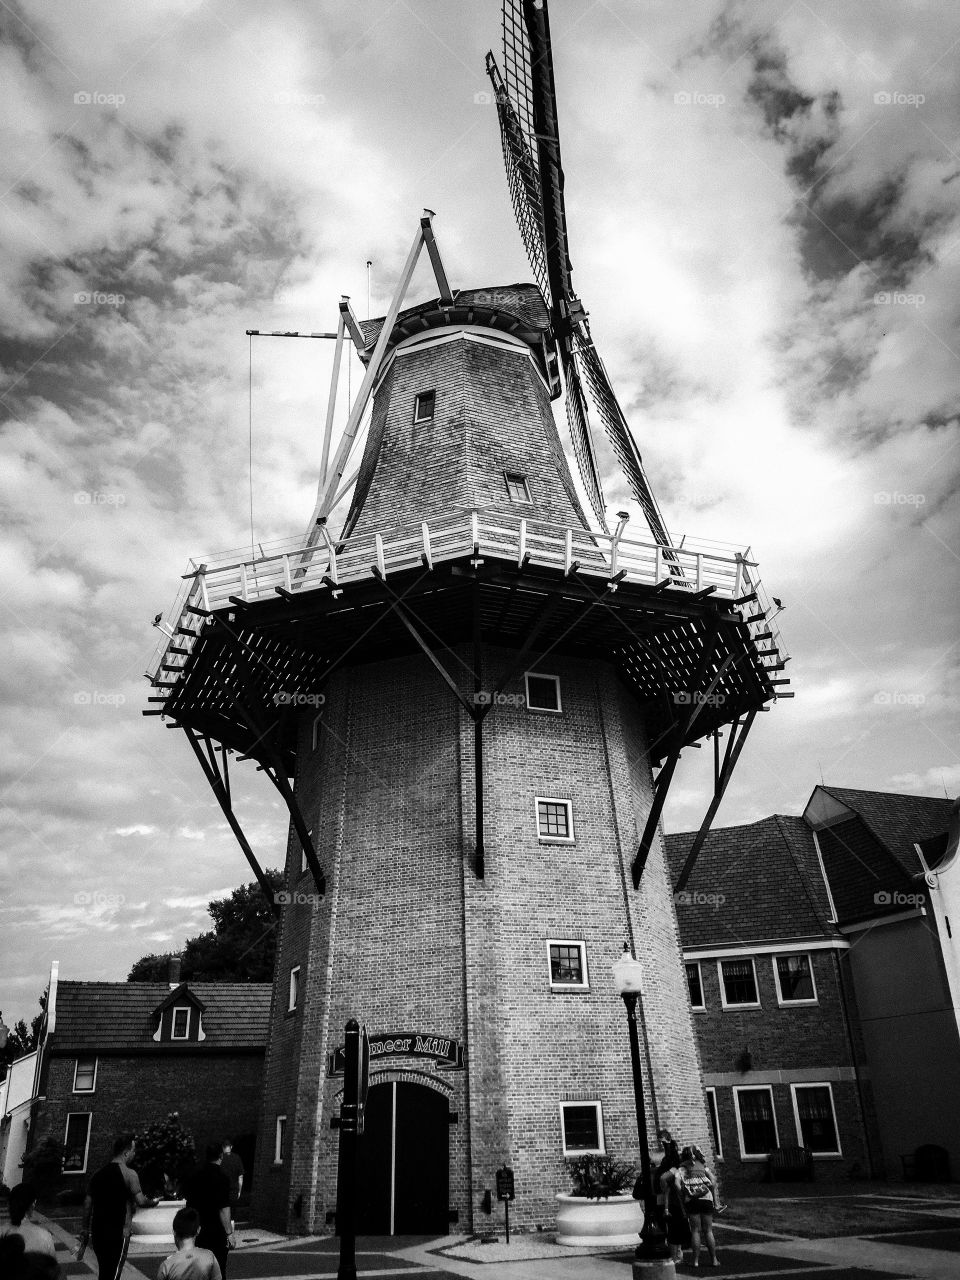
<point x="599" y="1177"/>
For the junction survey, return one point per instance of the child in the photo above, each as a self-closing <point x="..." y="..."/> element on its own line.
<point x="189" y="1262"/>
<point x="23" y="1201"/>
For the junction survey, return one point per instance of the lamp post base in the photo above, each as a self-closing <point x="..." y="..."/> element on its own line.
<point x="654" y="1268"/>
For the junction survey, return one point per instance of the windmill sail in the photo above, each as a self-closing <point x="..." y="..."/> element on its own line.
<point x="527" y="112"/>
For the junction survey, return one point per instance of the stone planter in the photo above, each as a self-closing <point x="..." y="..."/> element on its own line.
<point x="616" y="1221"/>
<point x="152" y="1229"/>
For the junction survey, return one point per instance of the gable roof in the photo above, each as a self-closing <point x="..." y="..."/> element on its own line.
<point x="102" y="1017"/>
<point x="897" y="821"/>
<point x="755" y="883"/>
<point x="866" y="880"/>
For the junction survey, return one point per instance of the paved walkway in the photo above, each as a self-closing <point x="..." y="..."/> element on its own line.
<point x="927" y="1254"/>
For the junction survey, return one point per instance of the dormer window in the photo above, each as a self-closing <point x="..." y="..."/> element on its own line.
<point x="424" y="405"/>
<point x="180" y="1017"/>
<point x="517" y="488"/>
<point x="180" y="1029"/>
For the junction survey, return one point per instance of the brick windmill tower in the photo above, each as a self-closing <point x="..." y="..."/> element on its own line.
<point x="472" y="698"/>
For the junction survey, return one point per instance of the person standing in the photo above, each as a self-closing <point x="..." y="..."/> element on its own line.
<point x="697" y="1192"/>
<point x="232" y="1166"/>
<point x="208" y="1191"/>
<point x="113" y="1194"/>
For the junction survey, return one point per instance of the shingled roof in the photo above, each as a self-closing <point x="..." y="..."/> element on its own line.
<point x="113" y="1017"/>
<point x="866" y="880"/>
<point x="755" y="883"/>
<point x="897" y="821"/>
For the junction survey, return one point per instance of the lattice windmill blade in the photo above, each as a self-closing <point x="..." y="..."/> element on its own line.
<point x="583" y="450"/>
<point x="523" y="176"/>
<point x="618" y="432"/>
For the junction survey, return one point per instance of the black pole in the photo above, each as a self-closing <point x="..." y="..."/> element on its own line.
<point x="506" y="1210"/>
<point x="347" y="1168"/>
<point x="652" y="1243"/>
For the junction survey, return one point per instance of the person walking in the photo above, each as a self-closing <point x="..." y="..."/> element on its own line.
<point x="113" y="1194"/>
<point x="208" y="1191"/>
<point x="697" y="1190"/>
<point x="232" y="1166"/>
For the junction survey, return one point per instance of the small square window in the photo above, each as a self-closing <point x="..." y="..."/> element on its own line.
<point x="738" y="982"/>
<point x="582" y="1127"/>
<point x="695" y="985"/>
<point x="293" y="992"/>
<point x="554" y="819"/>
<point x="568" y="965"/>
<point x="517" y="488"/>
<point x="85" y="1075"/>
<point x="424" y="406"/>
<point x="181" y="1023"/>
<point x="280" y="1140"/>
<point x="816" y="1118"/>
<point x="543" y="692"/>
<point x="795" y="980"/>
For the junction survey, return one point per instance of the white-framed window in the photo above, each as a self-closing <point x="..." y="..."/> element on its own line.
<point x="85" y="1075"/>
<point x="738" y="983"/>
<point x="543" y="692"/>
<point x="567" y="959"/>
<point x="816" y="1119"/>
<point x="280" y="1140"/>
<point x="293" y="990"/>
<point x="554" y="819"/>
<point x="424" y="405"/>
<point x="180" y="1027"/>
<point x="695" y="984"/>
<point x="714" y="1120"/>
<point x="517" y="488"/>
<point x="756" y="1121"/>
<point x="794" y="978"/>
<point x="581" y="1128"/>
<point x="76" y="1142"/>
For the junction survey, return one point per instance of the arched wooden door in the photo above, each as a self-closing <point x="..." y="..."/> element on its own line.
<point x="403" y="1162"/>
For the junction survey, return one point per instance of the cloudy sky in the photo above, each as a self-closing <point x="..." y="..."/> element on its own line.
<point x="765" y="228"/>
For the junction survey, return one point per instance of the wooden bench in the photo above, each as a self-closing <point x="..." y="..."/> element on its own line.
<point x="789" y="1163"/>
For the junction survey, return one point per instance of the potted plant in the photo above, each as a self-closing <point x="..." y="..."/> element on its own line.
<point x="600" y="1209"/>
<point x="165" y="1154"/>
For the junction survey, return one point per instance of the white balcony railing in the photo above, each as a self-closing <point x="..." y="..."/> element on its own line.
<point x="291" y="567"/>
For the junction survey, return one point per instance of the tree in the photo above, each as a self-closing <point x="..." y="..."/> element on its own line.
<point x="23" y="1039"/>
<point x="240" y="947"/>
<point x="165" y="1154"/>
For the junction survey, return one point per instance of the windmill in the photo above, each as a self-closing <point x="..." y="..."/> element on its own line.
<point x="527" y="110"/>
<point x="471" y="700"/>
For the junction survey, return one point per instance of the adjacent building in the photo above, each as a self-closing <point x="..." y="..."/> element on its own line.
<point x="819" y="956"/>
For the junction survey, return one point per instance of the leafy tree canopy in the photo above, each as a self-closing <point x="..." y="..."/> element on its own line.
<point x="239" y="948"/>
<point x="23" y="1039"/>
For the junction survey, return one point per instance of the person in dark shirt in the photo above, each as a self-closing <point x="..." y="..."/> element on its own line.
<point x="208" y="1191"/>
<point x="232" y="1166"/>
<point x="113" y="1194"/>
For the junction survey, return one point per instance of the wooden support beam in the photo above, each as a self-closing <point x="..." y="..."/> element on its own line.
<point x="222" y="794"/>
<point x="430" y="240"/>
<point x="352" y="324"/>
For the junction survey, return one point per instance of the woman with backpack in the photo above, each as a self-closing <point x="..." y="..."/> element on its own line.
<point x="697" y="1191"/>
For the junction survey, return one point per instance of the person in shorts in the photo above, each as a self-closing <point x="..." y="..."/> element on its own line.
<point x="697" y="1191"/>
<point x="113" y="1194"/>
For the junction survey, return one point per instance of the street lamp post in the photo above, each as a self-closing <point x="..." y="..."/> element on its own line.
<point x="628" y="977"/>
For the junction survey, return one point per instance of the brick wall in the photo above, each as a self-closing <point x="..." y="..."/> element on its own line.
<point x="216" y="1095"/>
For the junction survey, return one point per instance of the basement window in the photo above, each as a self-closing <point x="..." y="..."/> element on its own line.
<point x="517" y="487"/>
<point x="424" y="405"/>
